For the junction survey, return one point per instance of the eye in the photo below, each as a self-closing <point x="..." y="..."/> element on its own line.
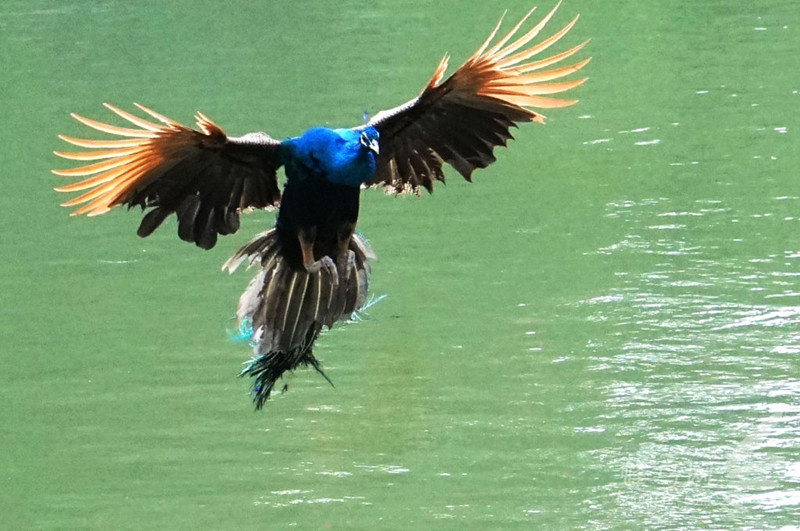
<point x="364" y="139"/>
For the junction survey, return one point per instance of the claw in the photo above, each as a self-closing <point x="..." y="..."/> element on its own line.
<point x="325" y="263"/>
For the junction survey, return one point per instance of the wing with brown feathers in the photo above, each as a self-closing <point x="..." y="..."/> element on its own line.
<point x="461" y="120"/>
<point x="204" y="177"/>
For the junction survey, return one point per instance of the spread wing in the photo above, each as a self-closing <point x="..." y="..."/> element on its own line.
<point x="461" y="120"/>
<point x="205" y="177"/>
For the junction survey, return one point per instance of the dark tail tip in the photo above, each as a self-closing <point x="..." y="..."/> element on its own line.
<point x="267" y="369"/>
<point x="314" y="362"/>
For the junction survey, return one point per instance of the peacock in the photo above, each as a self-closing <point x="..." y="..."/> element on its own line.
<point x="312" y="266"/>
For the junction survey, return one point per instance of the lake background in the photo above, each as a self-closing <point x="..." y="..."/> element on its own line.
<point x="601" y="332"/>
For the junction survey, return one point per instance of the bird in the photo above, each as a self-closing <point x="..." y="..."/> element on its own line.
<point x="312" y="266"/>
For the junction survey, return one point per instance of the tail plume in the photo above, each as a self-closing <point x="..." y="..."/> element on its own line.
<point x="287" y="307"/>
<point x="266" y="369"/>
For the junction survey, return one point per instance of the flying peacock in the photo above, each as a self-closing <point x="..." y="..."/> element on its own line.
<point x="313" y="268"/>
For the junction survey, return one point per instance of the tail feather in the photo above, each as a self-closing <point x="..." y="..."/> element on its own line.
<point x="288" y="307"/>
<point x="266" y="369"/>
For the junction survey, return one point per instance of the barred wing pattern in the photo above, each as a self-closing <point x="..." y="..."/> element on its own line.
<point x="461" y="120"/>
<point x="204" y="177"/>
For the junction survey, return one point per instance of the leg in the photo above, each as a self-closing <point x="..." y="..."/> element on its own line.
<point x="306" y="238"/>
<point x="345" y="259"/>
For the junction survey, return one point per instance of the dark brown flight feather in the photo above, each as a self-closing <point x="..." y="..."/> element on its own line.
<point x="204" y="176"/>
<point x="461" y="120"/>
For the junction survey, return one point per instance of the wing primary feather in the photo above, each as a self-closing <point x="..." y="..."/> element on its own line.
<point x="97" y="180"/>
<point x="104" y="183"/>
<point x="112" y="144"/>
<point x="105" y="196"/>
<point x="538" y="101"/>
<point x="547" y="61"/>
<point x="91" y="169"/>
<point x="438" y="74"/>
<point x="535" y="50"/>
<point x="492" y="35"/>
<point x="112" y="129"/>
<point x="135" y="120"/>
<point x="97" y="155"/>
<point x="499" y="44"/>
<point x="525" y="39"/>
<point x="538" y="77"/>
<point x="538" y="89"/>
<point x="160" y="117"/>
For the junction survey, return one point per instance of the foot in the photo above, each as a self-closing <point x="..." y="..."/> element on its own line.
<point x="326" y="264"/>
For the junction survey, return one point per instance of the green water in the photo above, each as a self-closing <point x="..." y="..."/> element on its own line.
<point x="602" y="332"/>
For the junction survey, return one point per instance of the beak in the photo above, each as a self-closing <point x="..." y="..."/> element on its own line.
<point x="374" y="147"/>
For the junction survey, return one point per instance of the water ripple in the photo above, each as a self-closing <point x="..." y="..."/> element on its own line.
<point x="697" y="344"/>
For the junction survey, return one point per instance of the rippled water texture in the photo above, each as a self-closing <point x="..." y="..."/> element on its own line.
<point x="602" y="332"/>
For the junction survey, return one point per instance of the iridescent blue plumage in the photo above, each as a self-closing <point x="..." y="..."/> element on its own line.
<point x="342" y="156"/>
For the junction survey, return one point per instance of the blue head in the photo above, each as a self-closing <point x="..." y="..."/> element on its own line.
<point x="368" y="139"/>
<point x="343" y="156"/>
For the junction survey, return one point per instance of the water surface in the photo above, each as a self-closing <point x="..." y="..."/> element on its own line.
<point x="602" y="332"/>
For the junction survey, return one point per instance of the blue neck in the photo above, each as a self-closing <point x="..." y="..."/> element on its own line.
<point x="335" y="154"/>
